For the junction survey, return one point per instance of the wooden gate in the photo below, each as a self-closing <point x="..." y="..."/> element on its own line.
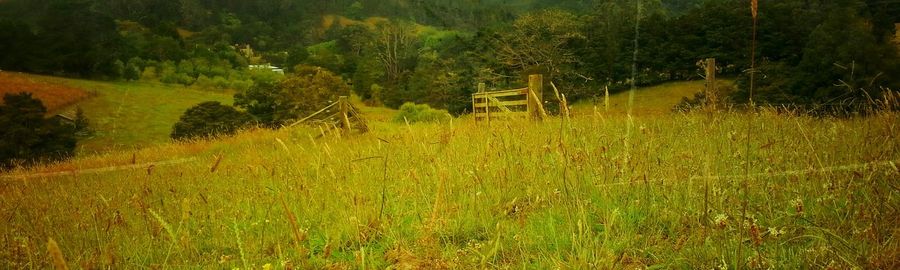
<point x="339" y="115"/>
<point x="510" y="104"/>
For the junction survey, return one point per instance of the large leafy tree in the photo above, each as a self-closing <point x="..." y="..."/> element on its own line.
<point x="307" y="90"/>
<point x="27" y="137"/>
<point x="543" y="39"/>
<point x="297" y="95"/>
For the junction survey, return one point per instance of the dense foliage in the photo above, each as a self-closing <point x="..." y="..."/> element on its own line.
<point x="210" y="119"/>
<point x="306" y="91"/>
<point x="415" y="113"/>
<point x="434" y="52"/>
<point x="27" y="137"/>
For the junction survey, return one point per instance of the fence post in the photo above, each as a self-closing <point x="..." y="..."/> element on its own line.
<point x="481" y="89"/>
<point x="474" y="110"/>
<point x="345" y="109"/>
<point x="535" y="102"/>
<point x="712" y="93"/>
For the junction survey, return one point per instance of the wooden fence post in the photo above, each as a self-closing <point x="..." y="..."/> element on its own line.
<point x="712" y="93"/>
<point x="345" y="109"/>
<point x="481" y="89"/>
<point x="536" y="95"/>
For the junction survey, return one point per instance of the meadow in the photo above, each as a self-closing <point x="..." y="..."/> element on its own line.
<point x="598" y="191"/>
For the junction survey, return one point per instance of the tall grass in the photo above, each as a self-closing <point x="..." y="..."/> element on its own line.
<point x="521" y="195"/>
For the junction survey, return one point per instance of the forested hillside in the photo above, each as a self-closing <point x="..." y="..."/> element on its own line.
<point x="434" y="51"/>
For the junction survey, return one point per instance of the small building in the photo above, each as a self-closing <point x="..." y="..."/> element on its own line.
<point x="267" y="67"/>
<point x="67" y="117"/>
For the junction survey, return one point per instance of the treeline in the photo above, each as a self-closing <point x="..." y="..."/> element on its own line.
<point x="434" y="51"/>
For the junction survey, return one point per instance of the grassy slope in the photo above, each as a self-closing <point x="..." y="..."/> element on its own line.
<point x="654" y="100"/>
<point x="129" y="115"/>
<point x="134" y="115"/>
<point x="534" y="195"/>
<point x="54" y="96"/>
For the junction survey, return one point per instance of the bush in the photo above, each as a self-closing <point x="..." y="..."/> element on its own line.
<point x="210" y="119"/>
<point x="415" y="113"/>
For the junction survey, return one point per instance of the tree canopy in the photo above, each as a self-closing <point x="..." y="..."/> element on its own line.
<point x="435" y="52"/>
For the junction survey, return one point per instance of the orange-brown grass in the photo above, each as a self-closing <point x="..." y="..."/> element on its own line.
<point x="54" y="95"/>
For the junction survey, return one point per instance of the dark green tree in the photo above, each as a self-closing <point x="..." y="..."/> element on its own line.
<point x="28" y="138"/>
<point x="82" y="124"/>
<point x="259" y="100"/>
<point x="208" y="120"/>
<point x="132" y="70"/>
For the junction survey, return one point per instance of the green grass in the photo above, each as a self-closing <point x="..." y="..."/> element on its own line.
<point x="581" y="194"/>
<point x="653" y="100"/>
<point x="132" y="115"/>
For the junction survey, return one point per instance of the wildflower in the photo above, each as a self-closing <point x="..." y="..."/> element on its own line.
<point x="775" y="232"/>
<point x="798" y="204"/>
<point x="267" y="266"/>
<point x="721" y="220"/>
<point x="224" y="259"/>
<point x="755" y="234"/>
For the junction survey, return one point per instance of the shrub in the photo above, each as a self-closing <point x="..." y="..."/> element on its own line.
<point x="415" y="113"/>
<point x="210" y="119"/>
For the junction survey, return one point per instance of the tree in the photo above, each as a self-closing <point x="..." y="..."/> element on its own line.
<point x="79" y="41"/>
<point x="28" y="138"/>
<point x="82" y="124"/>
<point x="306" y="91"/>
<point x="396" y="47"/>
<point x="832" y="57"/>
<point x="259" y="101"/>
<point x="16" y="39"/>
<point x="208" y="120"/>
<point x="299" y="94"/>
<point x="132" y="70"/>
<point x="118" y="69"/>
<point x="542" y="39"/>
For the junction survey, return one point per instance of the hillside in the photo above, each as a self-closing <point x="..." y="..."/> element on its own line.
<point x="134" y="115"/>
<point x="578" y="194"/>
<point x="123" y="115"/>
<point x="55" y="96"/>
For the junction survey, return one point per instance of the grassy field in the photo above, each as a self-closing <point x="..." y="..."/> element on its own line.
<point x="589" y="193"/>
<point x="124" y="115"/>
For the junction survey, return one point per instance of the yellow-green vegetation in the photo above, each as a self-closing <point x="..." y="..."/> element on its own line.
<point x="653" y="100"/>
<point x="129" y="115"/>
<point x="582" y="194"/>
